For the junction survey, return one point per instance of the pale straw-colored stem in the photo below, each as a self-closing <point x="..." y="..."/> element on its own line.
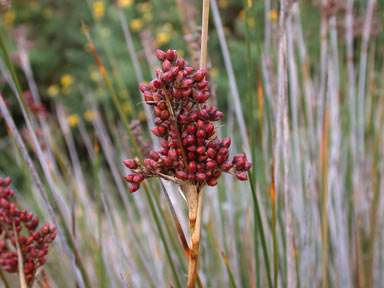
<point x="195" y="196"/>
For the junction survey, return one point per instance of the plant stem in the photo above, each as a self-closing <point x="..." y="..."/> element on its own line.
<point x="194" y="198"/>
<point x="194" y="195"/>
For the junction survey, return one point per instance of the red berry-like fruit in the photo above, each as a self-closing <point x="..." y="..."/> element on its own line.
<point x="212" y="181"/>
<point x="226" y="142"/>
<point x="130" y="163"/>
<point x="242" y="176"/>
<point x="133" y="187"/>
<point x="160" y="55"/>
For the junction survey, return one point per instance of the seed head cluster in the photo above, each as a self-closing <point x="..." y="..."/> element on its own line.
<point x="190" y="151"/>
<point x="33" y="243"/>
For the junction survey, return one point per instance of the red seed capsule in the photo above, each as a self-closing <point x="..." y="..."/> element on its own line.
<point x="211" y="153"/>
<point x="138" y="178"/>
<point x="242" y="176"/>
<point x="217" y="174"/>
<point x="193" y="116"/>
<point x="200" y="150"/>
<point x="130" y="163"/>
<point x="200" y="177"/>
<point x="166" y="65"/>
<point x="226" y="142"/>
<point x="212" y="182"/>
<point x="248" y="166"/>
<point x="181" y="175"/>
<point x="192" y="166"/>
<point x="240" y="164"/>
<point x="200" y="133"/>
<point x="155" y="156"/>
<point x="180" y="62"/>
<point x="200" y="74"/>
<point x="211" y="164"/>
<point x="223" y="151"/>
<point x="192" y="148"/>
<point x="167" y="162"/>
<point x="160" y="55"/>
<point x="167" y="76"/>
<point x="189" y="70"/>
<point x="191" y="156"/>
<point x="191" y="128"/>
<point x="226" y="166"/>
<point x="171" y="55"/>
<point x="172" y="154"/>
<point x="143" y="87"/>
<point x="133" y="187"/>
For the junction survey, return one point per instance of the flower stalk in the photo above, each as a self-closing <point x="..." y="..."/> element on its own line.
<point x="191" y="156"/>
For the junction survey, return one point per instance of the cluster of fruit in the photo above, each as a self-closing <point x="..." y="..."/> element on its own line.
<point x="190" y="151"/>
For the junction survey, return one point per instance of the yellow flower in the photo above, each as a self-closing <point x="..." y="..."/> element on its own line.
<point x="142" y="117"/>
<point x="66" y="80"/>
<point x="9" y="17"/>
<point x="89" y="115"/>
<point x="53" y="90"/>
<point x="251" y="22"/>
<point x="98" y="9"/>
<point x="125" y="3"/>
<point x="273" y="16"/>
<point x="162" y="38"/>
<point x="73" y="120"/>
<point x="145" y="7"/>
<point x="136" y="24"/>
<point x="223" y="3"/>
